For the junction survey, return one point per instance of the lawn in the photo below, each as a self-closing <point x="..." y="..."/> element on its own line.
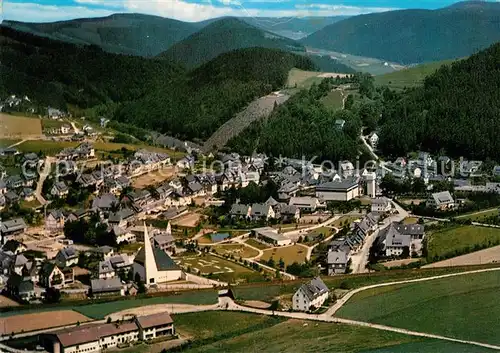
<point x="333" y="100"/>
<point x="289" y="254"/>
<point x="345" y="221"/>
<point x="459" y="240"/>
<point x="131" y="248"/>
<point x="411" y="77"/>
<point x="237" y="250"/>
<point x="219" y="268"/>
<point x="256" y="244"/>
<point x="431" y="345"/>
<point x="30" y="204"/>
<point x="306" y="336"/>
<point x="462" y="307"/>
<point x="7" y="142"/>
<point x="410" y="220"/>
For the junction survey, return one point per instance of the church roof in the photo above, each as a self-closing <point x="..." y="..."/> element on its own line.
<point x="163" y="261"/>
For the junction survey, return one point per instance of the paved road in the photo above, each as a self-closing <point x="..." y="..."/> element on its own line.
<point x="43" y="175"/>
<point x="360" y="259"/>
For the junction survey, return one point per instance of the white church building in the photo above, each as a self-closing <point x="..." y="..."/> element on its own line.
<point x="154" y="266"/>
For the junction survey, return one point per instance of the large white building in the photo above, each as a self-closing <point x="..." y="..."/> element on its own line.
<point x="310" y="295"/>
<point x="100" y="337"/>
<point x="271" y="236"/>
<point x="154" y="266"/>
<point x="342" y="190"/>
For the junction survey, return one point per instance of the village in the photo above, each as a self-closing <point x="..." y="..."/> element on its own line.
<point x="83" y="222"/>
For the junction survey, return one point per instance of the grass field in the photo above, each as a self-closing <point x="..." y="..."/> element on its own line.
<point x="479" y="216"/>
<point x="46" y="146"/>
<point x="237" y="250"/>
<point x="410" y="220"/>
<point x="256" y="244"/>
<point x="409" y="77"/>
<point x="19" y="126"/>
<point x="306" y="336"/>
<point x="333" y="100"/>
<point x="289" y="254"/>
<point x="460" y="240"/>
<point x="431" y="345"/>
<point x="7" y="142"/>
<point x="345" y="221"/>
<point x="305" y="79"/>
<point x="462" y="307"/>
<point x="219" y="268"/>
<point x="48" y="124"/>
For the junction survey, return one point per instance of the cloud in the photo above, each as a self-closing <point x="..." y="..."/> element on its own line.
<point x="103" y="3"/>
<point x="339" y="10"/>
<point x="31" y="12"/>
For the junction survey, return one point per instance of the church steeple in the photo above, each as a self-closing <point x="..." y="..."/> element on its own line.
<point x="169" y="229"/>
<point x="149" y="260"/>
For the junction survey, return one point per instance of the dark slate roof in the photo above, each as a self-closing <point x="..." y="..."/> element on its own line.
<point x="163" y="261"/>
<point x="239" y="209"/>
<point x="121" y="215"/>
<point x="47" y="268"/>
<point x="314" y="288"/>
<point x="342" y="185"/>
<point x="13" y="225"/>
<point x="105" y="285"/>
<point x="68" y="253"/>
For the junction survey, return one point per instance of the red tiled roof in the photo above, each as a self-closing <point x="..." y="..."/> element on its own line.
<point x="88" y="333"/>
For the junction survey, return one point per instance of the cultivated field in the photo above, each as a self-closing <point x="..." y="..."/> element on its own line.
<point x="462" y="307"/>
<point x="485" y="256"/>
<point x="289" y="254"/>
<point x="297" y="336"/>
<point x="409" y="77"/>
<point x="18" y="126"/>
<point x="190" y="219"/>
<point x="460" y="240"/>
<point x="153" y="177"/>
<point x="237" y="250"/>
<point x="39" y="321"/>
<point x="46" y="146"/>
<point x="480" y="215"/>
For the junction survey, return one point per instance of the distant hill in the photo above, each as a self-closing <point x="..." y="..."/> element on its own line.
<point x="455" y="112"/>
<point x="135" y="34"/>
<point x="223" y="36"/>
<point x="414" y="36"/>
<point x="57" y="73"/>
<point x="293" y="28"/>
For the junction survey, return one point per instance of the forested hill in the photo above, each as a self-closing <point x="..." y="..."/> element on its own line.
<point x="414" y="36"/>
<point x="213" y="93"/>
<point x="456" y="112"/>
<point x="57" y="73"/>
<point x="134" y="34"/>
<point x="223" y="36"/>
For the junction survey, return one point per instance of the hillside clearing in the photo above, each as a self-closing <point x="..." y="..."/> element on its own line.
<point x="462" y="307"/>
<point x="334" y="100"/>
<point x="305" y="79"/>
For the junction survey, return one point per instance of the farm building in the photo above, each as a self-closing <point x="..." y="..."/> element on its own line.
<point x="271" y="235"/>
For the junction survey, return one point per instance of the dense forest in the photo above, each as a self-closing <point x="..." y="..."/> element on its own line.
<point x="414" y="36"/>
<point x="455" y="112"/>
<point x="213" y="93"/>
<point x="57" y="73"/>
<point x="304" y="127"/>
<point x="223" y="36"/>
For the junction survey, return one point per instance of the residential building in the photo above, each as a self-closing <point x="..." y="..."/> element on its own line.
<point x="123" y="235"/>
<point x="154" y="266"/>
<point x="28" y="194"/>
<point x="55" y="220"/>
<point x="121" y="217"/>
<point x="105" y="202"/>
<point x="67" y="257"/>
<point x="398" y="237"/>
<point x="343" y="190"/>
<point x="381" y="205"/>
<point x="339" y="124"/>
<point x="441" y="200"/>
<point x="156" y="325"/>
<point x="59" y="189"/>
<point x="14" y="247"/>
<point x="271" y="236"/>
<point x="240" y="211"/>
<point x="287" y="213"/>
<point x="338" y="259"/>
<point x="106" y="287"/>
<point x="106" y="270"/>
<point x="261" y="212"/>
<point x="165" y="242"/>
<point x="307" y="203"/>
<point x="21" y="289"/>
<point x="51" y="276"/>
<point x="373" y="139"/>
<point x="310" y="296"/>
<point x="11" y="197"/>
<point x="347" y="169"/>
<point x="12" y="227"/>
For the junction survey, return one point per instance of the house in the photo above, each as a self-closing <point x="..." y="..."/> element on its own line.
<point x="3" y="202"/>
<point x="102" y="287"/>
<point x="67" y="257"/>
<point x="123" y="235"/>
<point x="307" y="203"/>
<point x="121" y="262"/>
<point x="28" y="194"/>
<point x="3" y="187"/>
<point x="398" y="238"/>
<point x="51" y="276"/>
<point x="338" y="259"/>
<point x="14" y="182"/>
<point x="271" y="236"/>
<point x="343" y="190"/>
<point x="105" y="251"/>
<point x="106" y="270"/>
<point x="55" y="220"/>
<point x="14" y="247"/>
<point x="347" y="169"/>
<point x="381" y="205"/>
<point x="373" y="139"/>
<point x="86" y="180"/>
<point x="21" y="289"/>
<point x="240" y="211"/>
<point x="121" y="218"/>
<point x="65" y="129"/>
<point x="76" y="215"/>
<point x="59" y="189"/>
<point x="103" y="336"/>
<point x="105" y="202"/>
<point x="31" y="160"/>
<point x="12" y="227"/>
<point x="165" y="242"/>
<point x="186" y="163"/>
<point x="261" y="211"/>
<point x="154" y="266"/>
<point x="364" y="228"/>
<point x="310" y="296"/>
<point x="287" y="213"/>
<point x="18" y="264"/>
<point x="339" y="124"/>
<point x="441" y="200"/>
<point x="11" y="197"/>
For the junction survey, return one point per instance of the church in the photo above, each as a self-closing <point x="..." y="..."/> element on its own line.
<point x="154" y="266"/>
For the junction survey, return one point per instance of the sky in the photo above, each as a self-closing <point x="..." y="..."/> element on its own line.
<point x="198" y="10"/>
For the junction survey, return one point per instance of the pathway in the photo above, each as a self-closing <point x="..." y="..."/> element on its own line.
<point x="43" y="175"/>
<point x="311" y="248"/>
<point x="75" y="129"/>
<point x="18" y="143"/>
